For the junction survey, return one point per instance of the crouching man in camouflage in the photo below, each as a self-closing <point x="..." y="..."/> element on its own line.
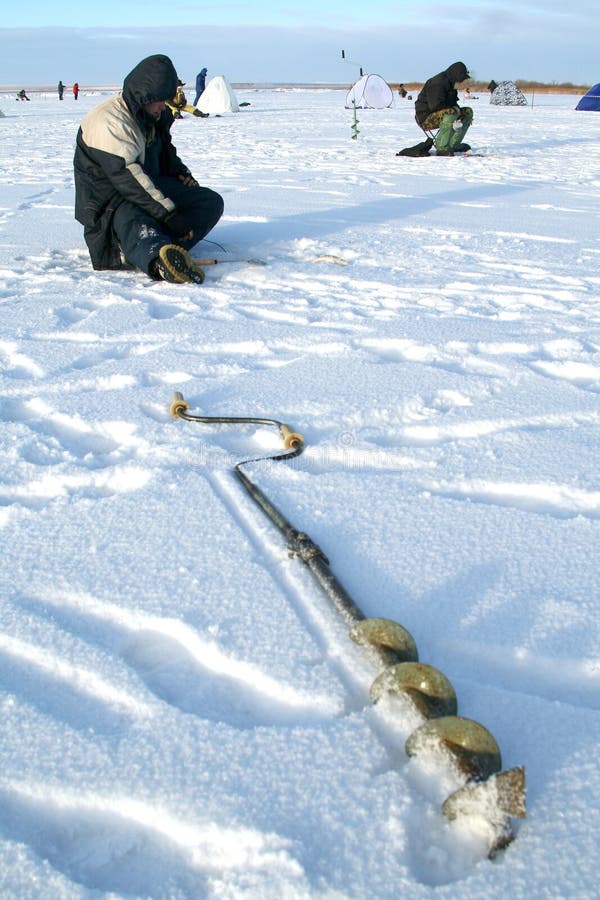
<point x="436" y="108"/>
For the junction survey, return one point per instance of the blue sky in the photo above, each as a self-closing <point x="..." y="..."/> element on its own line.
<point x="260" y="12"/>
<point x="301" y="42"/>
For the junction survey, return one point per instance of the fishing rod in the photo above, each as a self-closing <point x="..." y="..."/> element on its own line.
<point x="350" y="62"/>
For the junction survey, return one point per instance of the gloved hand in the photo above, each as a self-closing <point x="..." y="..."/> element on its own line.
<point x="178" y="225"/>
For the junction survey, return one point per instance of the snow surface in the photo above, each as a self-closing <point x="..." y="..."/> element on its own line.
<point x="183" y="713"/>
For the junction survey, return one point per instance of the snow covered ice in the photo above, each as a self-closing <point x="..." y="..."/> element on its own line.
<point x="183" y="714"/>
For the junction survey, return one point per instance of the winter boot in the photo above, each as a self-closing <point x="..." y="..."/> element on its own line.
<point x="174" y="264"/>
<point x="444" y="136"/>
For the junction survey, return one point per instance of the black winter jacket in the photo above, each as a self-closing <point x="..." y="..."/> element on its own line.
<point x="120" y="150"/>
<point x="439" y="92"/>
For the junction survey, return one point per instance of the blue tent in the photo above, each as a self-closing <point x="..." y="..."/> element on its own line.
<point x="591" y="100"/>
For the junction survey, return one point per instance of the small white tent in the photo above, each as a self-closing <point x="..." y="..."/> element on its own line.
<point x="370" y="92"/>
<point x="218" y="97"/>
<point x="507" y="94"/>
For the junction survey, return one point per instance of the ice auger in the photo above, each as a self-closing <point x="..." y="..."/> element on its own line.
<point x="489" y="792"/>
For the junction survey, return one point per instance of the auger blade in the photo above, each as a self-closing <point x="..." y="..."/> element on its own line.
<point x="469" y="744"/>
<point x="504" y="792"/>
<point x="428" y="689"/>
<point x="512" y="792"/>
<point x="385" y="634"/>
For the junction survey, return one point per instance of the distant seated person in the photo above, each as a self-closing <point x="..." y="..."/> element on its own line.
<point x="437" y="107"/>
<point x="22" y="95"/>
<point x="402" y="91"/>
<point x="179" y="102"/>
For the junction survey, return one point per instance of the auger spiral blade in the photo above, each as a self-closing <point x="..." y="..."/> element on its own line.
<point x="428" y="689"/>
<point x="385" y="634"/>
<point x="471" y="746"/>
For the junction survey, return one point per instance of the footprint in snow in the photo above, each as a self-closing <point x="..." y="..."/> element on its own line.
<point x="127" y="847"/>
<point x="191" y="672"/>
<point x="74" y="694"/>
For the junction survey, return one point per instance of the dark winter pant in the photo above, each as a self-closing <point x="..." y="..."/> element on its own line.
<point x="141" y="237"/>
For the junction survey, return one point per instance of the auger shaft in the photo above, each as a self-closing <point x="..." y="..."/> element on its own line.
<point x="302" y="545"/>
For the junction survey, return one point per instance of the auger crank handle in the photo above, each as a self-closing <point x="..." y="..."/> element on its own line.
<point x="178" y="405"/>
<point x="291" y="439"/>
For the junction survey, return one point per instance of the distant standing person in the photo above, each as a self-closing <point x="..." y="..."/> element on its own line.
<point x="76" y="90"/>
<point x="437" y="107"/>
<point x="139" y="204"/>
<point x="61" y="90"/>
<point x="200" y="85"/>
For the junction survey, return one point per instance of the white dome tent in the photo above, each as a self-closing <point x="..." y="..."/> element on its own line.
<point x="218" y="97"/>
<point x="370" y="92"/>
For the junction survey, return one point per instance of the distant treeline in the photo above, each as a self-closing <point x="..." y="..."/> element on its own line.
<point x="528" y="87"/>
<point x="555" y="87"/>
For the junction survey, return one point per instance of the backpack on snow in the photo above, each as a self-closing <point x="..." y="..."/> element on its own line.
<point x="421" y="149"/>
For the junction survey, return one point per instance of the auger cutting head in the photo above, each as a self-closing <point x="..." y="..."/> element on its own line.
<point x="503" y="795"/>
<point x="504" y="792"/>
